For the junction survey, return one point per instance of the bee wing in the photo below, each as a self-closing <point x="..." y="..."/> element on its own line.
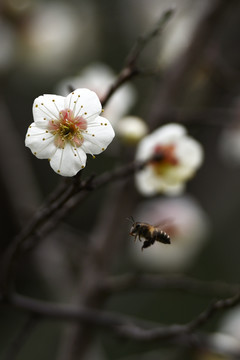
<point x="168" y="222"/>
<point x="167" y="226"/>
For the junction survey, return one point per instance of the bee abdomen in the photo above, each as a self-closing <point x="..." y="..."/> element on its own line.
<point x="163" y="237"/>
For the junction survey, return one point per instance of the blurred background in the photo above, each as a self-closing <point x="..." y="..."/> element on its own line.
<point x="193" y="73"/>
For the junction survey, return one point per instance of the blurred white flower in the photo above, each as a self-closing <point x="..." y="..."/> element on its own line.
<point x="187" y="225"/>
<point x="131" y="129"/>
<point x="98" y="78"/>
<point x="52" y="35"/>
<point x="178" y="156"/>
<point x="65" y="129"/>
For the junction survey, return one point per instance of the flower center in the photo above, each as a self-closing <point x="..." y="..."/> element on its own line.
<point x="68" y="128"/>
<point x="164" y="158"/>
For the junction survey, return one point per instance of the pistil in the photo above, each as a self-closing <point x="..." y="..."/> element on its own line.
<point x="68" y="129"/>
<point x="165" y="158"/>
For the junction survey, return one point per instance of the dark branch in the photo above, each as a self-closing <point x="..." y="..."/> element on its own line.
<point x="119" y="324"/>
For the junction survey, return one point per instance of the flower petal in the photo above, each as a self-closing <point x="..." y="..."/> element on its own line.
<point x="168" y="133"/>
<point x="190" y="152"/>
<point x="99" y="136"/>
<point x="144" y="182"/>
<point x="83" y="102"/>
<point x="40" y="142"/>
<point x="174" y="189"/>
<point x="145" y="148"/>
<point x="119" y="104"/>
<point x="47" y="107"/>
<point x="150" y="184"/>
<point x="68" y="161"/>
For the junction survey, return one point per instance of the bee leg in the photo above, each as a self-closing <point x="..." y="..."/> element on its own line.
<point x="146" y="244"/>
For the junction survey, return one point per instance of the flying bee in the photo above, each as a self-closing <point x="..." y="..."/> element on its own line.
<point x="149" y="233"/>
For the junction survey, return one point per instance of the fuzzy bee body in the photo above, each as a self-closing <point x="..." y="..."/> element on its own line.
<point x="149" y="233"/>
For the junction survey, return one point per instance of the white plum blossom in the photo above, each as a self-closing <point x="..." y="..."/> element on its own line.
<point x="65" y="129"/>
<point x="173" y="157"/>
<point x="131" y="129"/>
<point x="99" y="77"/>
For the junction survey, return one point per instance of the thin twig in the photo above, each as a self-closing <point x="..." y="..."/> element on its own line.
<point x="144" y="40"/>
<point x="207" y="314"/>
<point x="131" y="69"/>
